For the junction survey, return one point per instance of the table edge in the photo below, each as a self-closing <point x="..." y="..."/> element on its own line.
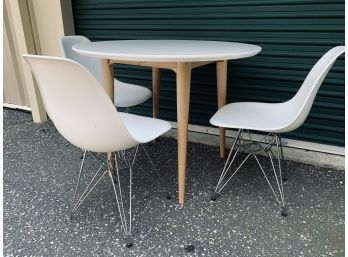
<point x="168" y="58"/>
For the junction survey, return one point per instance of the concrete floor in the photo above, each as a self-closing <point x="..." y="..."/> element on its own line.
<point x="41" y="167"/>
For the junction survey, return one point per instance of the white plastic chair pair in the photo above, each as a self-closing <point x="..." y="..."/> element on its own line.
<point x="125" y="95"/>
<point x="84" y="114"/>
<point x="273" y="118"/>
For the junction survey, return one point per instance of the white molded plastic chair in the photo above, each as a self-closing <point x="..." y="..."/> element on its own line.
<point x="126" y="95"/>
<point x="273" y="118"/>
<point x="84" y="114"/>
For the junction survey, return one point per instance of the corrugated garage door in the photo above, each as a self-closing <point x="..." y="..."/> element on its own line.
<point x="292" y="33"/>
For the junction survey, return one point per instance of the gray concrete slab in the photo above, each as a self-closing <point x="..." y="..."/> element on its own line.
<point x="41" y="167"/>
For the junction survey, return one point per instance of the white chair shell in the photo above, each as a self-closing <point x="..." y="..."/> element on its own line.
<point x="125" y="94"/>
<point x="274" y="118"/>
<point x="278" y="117"/>
<point x="82" y="111"/>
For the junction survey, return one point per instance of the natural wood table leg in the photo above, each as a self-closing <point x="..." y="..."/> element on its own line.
<point x="183" y="81"/>
<point x="155" y="91"/>
<point x="221" y="75"/>
<point x="108" y="78"/>
<point x="108" y="84"/>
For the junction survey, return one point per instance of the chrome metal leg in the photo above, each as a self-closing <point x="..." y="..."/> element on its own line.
<point x="128" y="161"/>
<point x="159" y="180"/>
<point x="267" y="148"/>
<point x="130" y="158"/>
<point x="78" y="182"/>
<point x="280" y="196"/>
<point x="282" y="156"/>
<point x="126" y="226"/>
<point x="228" y="164"/>
<point x="89" y="189"/>
<point x="278" y="175"/>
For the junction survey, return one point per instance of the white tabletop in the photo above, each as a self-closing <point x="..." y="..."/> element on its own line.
<point x="167" y="50"/>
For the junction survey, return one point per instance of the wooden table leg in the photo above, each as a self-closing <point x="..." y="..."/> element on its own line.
<point x="183" y="81"/>
<point x="155" y="91"/>
<point x="221" y="75"/>
<point x="108" y="77"/>
<point x="108" y="84"/>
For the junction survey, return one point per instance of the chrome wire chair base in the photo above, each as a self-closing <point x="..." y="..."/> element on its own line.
<point x="126" y="218"/>
<point x="252" y="149"/>
<point x="120" y="161"/>
<point x="159" y="180"/>
<point x="89" y="188"/>
<point x="285" y="178"/>
<point x="134" y="153"/>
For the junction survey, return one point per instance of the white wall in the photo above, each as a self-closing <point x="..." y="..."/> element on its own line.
<point x="31" y="26"/>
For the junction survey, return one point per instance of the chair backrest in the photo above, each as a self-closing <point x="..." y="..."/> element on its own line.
<point x="79" y="108"/>
<point x="300" y="105"/>
<point x="93" y="64"/>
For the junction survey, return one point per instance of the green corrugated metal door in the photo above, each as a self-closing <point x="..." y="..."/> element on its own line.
<point x="292" y="33"/>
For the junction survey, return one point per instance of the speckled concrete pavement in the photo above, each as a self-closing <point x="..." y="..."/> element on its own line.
<point x="41" y="167"/>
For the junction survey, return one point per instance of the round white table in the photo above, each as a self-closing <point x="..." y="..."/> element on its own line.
<point x="181" y="56"/>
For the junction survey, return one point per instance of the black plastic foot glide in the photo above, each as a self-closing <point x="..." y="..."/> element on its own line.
<point x="189" y="248"/>
<point x="214" y="197"/>
<point x="284" y="176"/>
<point x="283" y="211"/>
<point x="168" y="197"/>
<point x="72" y="218"/>
<point x="129" y="242"/>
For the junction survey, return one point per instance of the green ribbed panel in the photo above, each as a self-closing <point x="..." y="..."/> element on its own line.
<point x="292" y="33"/>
